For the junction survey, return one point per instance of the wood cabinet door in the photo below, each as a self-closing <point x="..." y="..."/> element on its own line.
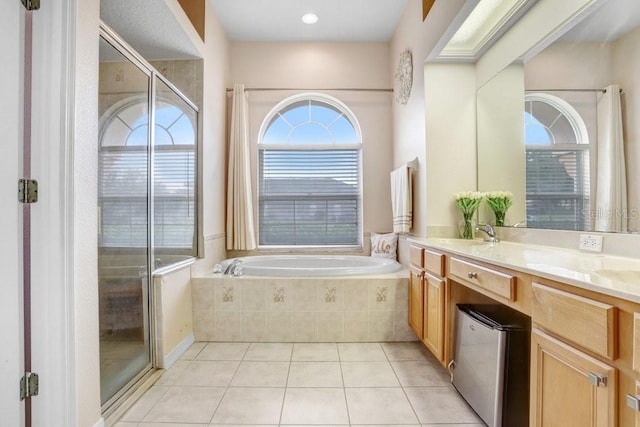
<point x="416" y="301"/>
<point x="568" y="387"/>
<point x="434" y="315"/>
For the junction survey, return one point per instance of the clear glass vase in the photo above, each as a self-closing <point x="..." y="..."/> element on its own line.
<point x="467" y="226"/>
<point x="499" y="217"/>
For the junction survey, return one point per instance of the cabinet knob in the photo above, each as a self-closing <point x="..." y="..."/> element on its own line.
<point x="597" y="379"/>
<point x="472" y="275"/>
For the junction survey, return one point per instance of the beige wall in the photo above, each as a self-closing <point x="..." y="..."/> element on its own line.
<point x="173" y="312"/>
<point x="501" y="151"/>
<point x="85" y="149"/>
<point x="450" y="108"/>
<point x="409" y="140"/>
<point x="327" y="65"/>
<point x="626" y="71"/>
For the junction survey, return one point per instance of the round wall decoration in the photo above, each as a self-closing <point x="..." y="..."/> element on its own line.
<point x="404" y="77"/>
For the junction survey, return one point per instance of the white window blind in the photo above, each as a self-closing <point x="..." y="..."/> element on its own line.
<point x="123" y="195"/>
<point x="309" y="197"/>
<point x="558" y="189"/>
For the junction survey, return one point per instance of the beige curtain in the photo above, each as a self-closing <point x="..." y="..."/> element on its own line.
<point x="611" y="181"/>
<point x="240" y="228"/>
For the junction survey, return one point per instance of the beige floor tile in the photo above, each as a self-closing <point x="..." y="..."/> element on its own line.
<point x="451" y="425"/>
<point x="315" y="374"/>
<point x="369" y="374"/>
<point x="379" y="406"/>
<point x="141" y="408"/>
<point x="209" y="373"/>
<point x="186" y="405"/>
<point x="125" y="424"/>
<point x="193" y="351"/>
<point x="406" y="351"/>
<point x="250" y="406"/>
<point x="223" y="351"/>
<point x="315" y="352"/>
<point x="169" y="376"/>
<point x="261" y="374"/>
<point x="420" y="373"/>
<point x="171" y="425"/>
<point x="440" y="405"/>
<point x="314" y="406"/>
<point x="269" y="352"/>
<point x="361" y="352"/>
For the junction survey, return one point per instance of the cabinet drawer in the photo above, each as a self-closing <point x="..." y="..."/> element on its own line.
<point x="416" y="256"/>
<point x="584" y="321"/>
<point x="496" y="282"/>
<point x="433" y="262"/>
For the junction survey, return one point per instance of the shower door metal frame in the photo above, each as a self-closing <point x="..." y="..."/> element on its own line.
<point x="111" y="37"/>
<point x="125" y="50"/>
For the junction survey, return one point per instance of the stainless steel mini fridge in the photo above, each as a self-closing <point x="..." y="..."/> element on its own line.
<point x="491" y="363"/>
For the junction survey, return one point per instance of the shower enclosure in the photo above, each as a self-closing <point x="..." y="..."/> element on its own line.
<point x="147" y="161"/>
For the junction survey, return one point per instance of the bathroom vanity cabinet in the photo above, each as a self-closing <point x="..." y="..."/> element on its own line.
<point x="585" y="342"/>
<point x="427" y="298"/>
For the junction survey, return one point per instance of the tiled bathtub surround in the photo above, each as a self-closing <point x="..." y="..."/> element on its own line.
<point x="259" y="309"/>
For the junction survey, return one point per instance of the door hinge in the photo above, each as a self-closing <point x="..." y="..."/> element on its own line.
<point x="597" y="379"/>
<point x="27" y="190"/>
<point x="29" y="385"/>
<point x="31" y="4"/>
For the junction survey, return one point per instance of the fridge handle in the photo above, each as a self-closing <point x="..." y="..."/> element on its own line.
<point x="451" y="366"/>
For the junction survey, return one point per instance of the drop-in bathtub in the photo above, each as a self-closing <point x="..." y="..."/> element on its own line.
<point x="312" y="265"/>
<point x="300" y="298"/>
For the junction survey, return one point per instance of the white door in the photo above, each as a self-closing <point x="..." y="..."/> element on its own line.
<point x="11" y="357"/>
<point x="52" y="338"/>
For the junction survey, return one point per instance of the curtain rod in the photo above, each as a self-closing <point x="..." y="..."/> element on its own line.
<point x="568" y="90"/>
<point x="256" y="89"/>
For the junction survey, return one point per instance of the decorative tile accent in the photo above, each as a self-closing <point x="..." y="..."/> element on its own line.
<point x="227" y="294"/>
<point x="164" y="71"/>
<point x="120" y="75"/>
<point x="330" y="296"/>
<point x="381" y="294"/>
<point x="278" y="294"/>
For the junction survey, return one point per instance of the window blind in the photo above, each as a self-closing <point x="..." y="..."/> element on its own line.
<point x="309" y="197"/>
<point x="558" y="188"/>
<point x="123" y="195"/>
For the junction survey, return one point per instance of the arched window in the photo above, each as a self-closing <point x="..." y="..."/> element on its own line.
<point x="309" y="162"/>
<point x="123" y="184"/>
<point x="557" y="164"/>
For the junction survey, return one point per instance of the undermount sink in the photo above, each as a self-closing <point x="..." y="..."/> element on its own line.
<point x="625" y="276"/>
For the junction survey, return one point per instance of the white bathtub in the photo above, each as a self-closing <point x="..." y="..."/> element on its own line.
<point x="313" y="265"/>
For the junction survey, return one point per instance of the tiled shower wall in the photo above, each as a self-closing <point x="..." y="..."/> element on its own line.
<point x="262" y="309"/>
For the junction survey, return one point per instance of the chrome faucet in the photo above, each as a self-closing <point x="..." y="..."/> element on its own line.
<point x="489" y="231"/>
<point x="232" y="266"/>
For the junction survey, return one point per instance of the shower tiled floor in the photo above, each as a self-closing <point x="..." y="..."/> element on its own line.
<point x="302" y="384"/>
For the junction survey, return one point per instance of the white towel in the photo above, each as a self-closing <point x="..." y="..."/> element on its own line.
<point x="401" y="199"/>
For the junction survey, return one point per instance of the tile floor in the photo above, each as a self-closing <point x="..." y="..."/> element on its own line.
<point x="274" y="384"/>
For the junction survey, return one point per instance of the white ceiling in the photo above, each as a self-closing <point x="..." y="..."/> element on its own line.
<point x="279" y="20"/>
<point x="150" y="27"/>
<point x="607" y="23"/>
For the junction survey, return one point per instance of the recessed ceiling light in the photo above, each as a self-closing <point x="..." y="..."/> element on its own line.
<point x="309" y="18"/>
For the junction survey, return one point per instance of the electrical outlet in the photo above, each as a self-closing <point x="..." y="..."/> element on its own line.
<point x="590" y="242"/>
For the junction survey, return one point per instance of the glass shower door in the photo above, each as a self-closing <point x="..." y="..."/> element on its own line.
<point x="124" y="235"/>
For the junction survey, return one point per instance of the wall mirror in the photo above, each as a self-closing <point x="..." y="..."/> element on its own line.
<point x="549" y="130"/>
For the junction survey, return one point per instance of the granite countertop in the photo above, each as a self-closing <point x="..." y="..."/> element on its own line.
<point x="607" y="274"/>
